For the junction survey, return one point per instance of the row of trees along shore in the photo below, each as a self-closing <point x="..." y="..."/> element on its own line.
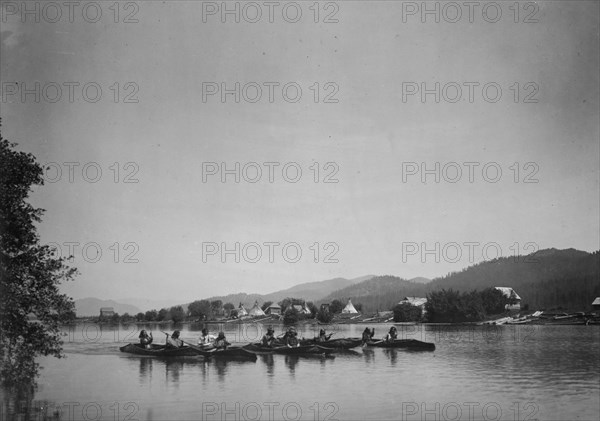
<point x="206" y="310"/>
<point x="450" y="306"/>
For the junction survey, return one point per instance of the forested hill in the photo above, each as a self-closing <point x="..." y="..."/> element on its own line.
<point x="379" y="293"/>
<point x="546" y="279"/>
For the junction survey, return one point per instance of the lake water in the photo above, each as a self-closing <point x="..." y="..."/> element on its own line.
<point x="475" y="373"/>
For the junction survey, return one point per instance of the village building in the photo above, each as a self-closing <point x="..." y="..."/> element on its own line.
<point x="325" y="307"/>
<point x="596" y="304"/>
<point x="416" y="301"/>
<point x="508" y="292"/>
<point x="274" y="309"/>
<point x="302" y="309"/>
<point x="107" y="311"/>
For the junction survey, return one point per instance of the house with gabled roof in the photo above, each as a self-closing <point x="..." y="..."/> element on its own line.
<point x="508" y="292"/>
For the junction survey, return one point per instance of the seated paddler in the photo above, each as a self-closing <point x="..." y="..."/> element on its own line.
<point x="221" y="341"/>
<point x="173" y="341"/>
<point x="145" y="339"/>
<point x="206" y="340"/>
<point x="269" y="338"/>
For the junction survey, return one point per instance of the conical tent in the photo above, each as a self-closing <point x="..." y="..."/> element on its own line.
<point x="349" y="308"/>
<point x="305" y="309"/>
<point x="242" y="311"/>
<point x="256" y="310"/>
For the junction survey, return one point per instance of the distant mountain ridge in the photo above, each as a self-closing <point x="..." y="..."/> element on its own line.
<point x="310" y="291"/>
<point x="420" y="280"/>
<point x="549" y="278"/>
<point x="91" y="307"/>
<point x="378" y="293"/>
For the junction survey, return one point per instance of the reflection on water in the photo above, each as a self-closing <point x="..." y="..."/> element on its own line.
<point x="173" y="369"/>
<point x="548" y="372"/>
<point x="369" y="354"/>
<point x="392" y="355"/>
<point x="291" y="361"/>
<point x="269" y="363"/>
<point x="145" y="369"/>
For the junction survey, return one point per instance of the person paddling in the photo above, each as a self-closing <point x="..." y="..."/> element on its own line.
<point x="269" y="338"/>
<point x="367" y="335"/>
<point x="392" y="334"/>
<point x="145" y="339"/>
<point x="206" y="340"/>
<point x="323" y="337"/>
<point x="221" y="342"/>
<point x="174" y="341"/>
<point x="291" y="338"/>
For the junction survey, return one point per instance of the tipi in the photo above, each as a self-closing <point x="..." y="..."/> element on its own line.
<point x="242" y="311"/>
<point x="256" y="311"/>
<point x="305" y="309"/>
<point x="349" y="308"/>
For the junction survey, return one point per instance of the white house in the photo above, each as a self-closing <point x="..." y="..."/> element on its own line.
<point x="415" y="301"/>
<point x="508" y="292"/>
<point x="274" y="309"/>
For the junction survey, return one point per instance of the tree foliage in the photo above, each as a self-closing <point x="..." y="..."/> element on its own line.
<point x="162" y="315"/>
<point x="151" y="316"/>
<point x="286" y="303"/>
<point x="177" y="314"/>
<point x="30" y="274"/>
<point x="216" y="307"/>
<point x="336" y="307"/>
<point x="452" y="306"/>
<point x="324" y="316"/>
<point x="407" y="312"/>
<point x="291" y="316"/>
<point x="200" y="309"/>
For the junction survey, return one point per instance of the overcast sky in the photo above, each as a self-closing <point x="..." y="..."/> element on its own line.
<point x="528" y="105"/>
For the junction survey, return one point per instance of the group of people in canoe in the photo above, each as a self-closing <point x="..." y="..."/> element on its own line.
<point x="391" y="336"/>
<point x="173" y="341"/>
<point x="289" y="338"/>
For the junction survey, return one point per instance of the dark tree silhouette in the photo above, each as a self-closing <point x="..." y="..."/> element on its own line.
<point x="31" y="306"/>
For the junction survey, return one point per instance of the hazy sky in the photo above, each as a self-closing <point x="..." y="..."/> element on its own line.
<point x="520" y="97"/>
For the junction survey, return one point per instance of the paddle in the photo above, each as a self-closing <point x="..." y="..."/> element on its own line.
<point x="372" y="343"/>
<point x="327" y="337"/>
<point x="170" y="335"/>
<point x="197" y="348"/>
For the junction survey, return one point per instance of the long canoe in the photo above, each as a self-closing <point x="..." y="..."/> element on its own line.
<point x="233" y="353"/>
<point x="404" y="343"/>
<point x="339" y="343"/>
<point x="285" y="350"/>
<point x="159" y="350"/>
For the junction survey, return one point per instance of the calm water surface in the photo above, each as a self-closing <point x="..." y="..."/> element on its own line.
<point x="475" y="373"/>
